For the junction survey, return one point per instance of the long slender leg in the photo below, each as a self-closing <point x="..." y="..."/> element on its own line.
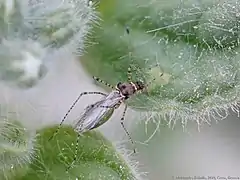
<point x="77" y="141"/>
<point x="75" y="154"/>
<point x="72" y="106"/>
<point x="122" y="120"/>
<point x="103" y="82"/>
<point x="115" y="106"/>
<point x="109" y="107"/>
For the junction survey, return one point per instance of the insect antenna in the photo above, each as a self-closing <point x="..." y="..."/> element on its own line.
<point x="72" y="106"/>
<point x="129" y="72"/>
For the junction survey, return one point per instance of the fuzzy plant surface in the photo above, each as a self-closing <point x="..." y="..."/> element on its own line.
<point x="28" y="155"/>
<point x="16" y="146"/>
<point x="96" y="158"/>
<point x="186" y="51"/>
<point x="31" y="30"/>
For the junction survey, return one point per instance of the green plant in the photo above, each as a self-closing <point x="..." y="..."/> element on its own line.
<point x="31" y="31"/>
<point x="191" y="45"/>
<point x="96" y="158"/>
<point x="26" y="155"/>
<point x="16" y="146"/>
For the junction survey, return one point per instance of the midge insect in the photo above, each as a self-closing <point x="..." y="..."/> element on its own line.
<point x="100" y="112"/>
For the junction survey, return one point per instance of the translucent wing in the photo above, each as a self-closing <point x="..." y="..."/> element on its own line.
<point x="98" y="113"/>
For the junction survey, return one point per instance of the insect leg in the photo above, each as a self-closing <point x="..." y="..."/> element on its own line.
<point x="122" y="120"/>
<point x="103" y="82"/>
<point x="75" y="154"/>
<point x="115" y="106"/>
<point x="69" y="110"/>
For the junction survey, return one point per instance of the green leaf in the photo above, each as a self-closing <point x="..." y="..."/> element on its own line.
<point x="97" y="158"/>
<point x="16" y="148"/>
<point x="186" y="46"/>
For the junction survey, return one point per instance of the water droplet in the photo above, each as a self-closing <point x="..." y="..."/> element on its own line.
<point x="90" y="3"/>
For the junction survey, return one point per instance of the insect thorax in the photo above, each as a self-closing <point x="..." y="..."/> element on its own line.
<point x="128" y="89"/>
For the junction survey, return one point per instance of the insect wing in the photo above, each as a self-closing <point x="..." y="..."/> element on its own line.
<point x="97" y="114"/>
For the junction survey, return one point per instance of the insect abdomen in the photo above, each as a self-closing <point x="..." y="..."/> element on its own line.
<point x="104" y="118"/>
<point x="98" y="113"/>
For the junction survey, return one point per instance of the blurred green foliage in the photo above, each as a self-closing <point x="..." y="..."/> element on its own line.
<point x="193" y="43"/>
<point x="96" y="157"/>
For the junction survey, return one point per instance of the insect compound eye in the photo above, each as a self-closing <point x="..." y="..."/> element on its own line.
<point x="123" y="86"/>
<point x="118" y="84"/>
